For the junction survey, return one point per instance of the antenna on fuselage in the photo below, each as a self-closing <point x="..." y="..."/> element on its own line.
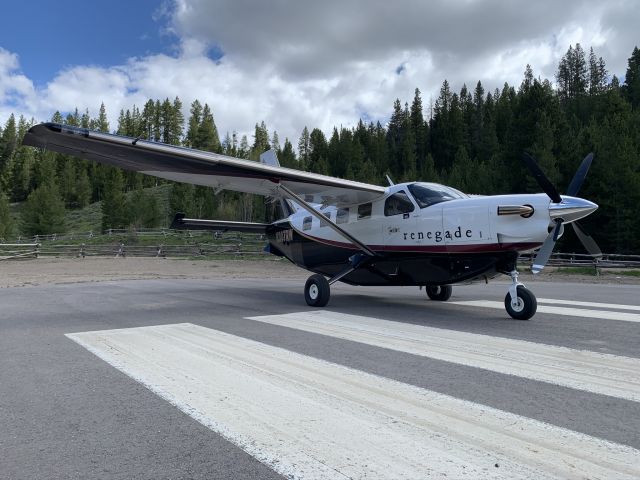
<point x="390" y="181"/>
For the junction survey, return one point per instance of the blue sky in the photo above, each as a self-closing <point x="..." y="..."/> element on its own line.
<point x="289" y="63"/>
<point x="51" y="36"/>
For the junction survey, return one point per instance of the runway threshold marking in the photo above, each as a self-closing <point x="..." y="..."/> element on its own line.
<point x="311" y="419"/>
<point x="580" y="369"/>
<point x="568" y="311"/>
<point x="615" y="306"/>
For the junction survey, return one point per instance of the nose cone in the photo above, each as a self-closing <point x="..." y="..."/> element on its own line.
<point x="571" y="209"/>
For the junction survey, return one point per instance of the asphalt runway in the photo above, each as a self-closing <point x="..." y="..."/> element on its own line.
<point x="239" y="378"/>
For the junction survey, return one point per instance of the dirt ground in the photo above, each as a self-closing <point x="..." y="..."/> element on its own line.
<point x="19" y="273"/>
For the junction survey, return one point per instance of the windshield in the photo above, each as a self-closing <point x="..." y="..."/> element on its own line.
<point x="427" y="194"/>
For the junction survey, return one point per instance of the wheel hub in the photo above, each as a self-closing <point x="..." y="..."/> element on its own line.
<point x="313" y="291"/>
<point x="518" y="305"/>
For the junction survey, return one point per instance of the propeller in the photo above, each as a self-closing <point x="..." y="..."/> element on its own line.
<point x="563" y="208"/>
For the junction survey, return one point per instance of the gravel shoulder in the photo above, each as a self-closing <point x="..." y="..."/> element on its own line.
<point x="22" y="273"/>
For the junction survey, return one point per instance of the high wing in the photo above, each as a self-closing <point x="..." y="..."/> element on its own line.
<point x="197" y="167"/>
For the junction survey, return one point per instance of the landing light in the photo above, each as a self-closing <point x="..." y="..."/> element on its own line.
<point x="524" y="211"/>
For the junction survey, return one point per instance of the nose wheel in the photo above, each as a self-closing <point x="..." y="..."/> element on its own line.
<point x="520" y="302"/>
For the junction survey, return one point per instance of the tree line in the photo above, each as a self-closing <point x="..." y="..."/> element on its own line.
<point x="472" y="139"/>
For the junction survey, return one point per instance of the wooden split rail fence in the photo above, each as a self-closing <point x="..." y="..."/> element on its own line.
<point x="218" y="243"/>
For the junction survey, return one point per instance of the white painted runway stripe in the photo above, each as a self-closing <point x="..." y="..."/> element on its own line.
<point x="580" y="369"/>
<point x="311" y="419"/>
<point x="611" y="306"/>
<point x="571" y="312"/>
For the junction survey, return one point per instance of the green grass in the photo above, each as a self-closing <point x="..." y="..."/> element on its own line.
<point x="84" y="220"/>
<point x="577" y="270"/>
<point x="626" y="273"/>
<point x="603" y="271"/>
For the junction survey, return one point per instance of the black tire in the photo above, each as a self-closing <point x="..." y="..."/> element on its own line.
<point x="441" y="293"/>
<point x="527" y="304"/>
<point x="317" y="291"/>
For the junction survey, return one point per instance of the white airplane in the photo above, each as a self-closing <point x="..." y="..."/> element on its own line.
<point x="415" y="233"/>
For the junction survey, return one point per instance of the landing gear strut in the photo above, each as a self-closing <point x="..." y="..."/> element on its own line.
<point x="520" y="302"/>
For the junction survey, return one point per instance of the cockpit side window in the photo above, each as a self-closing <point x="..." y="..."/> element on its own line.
<point x="364" y="211"/>
<point x="427" y="194"/>
<point x="398" y="203"/>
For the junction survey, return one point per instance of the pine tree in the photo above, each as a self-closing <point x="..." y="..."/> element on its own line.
<point x="572" y="74"/>
<point x="194" y="124"/>
<point x="101" y="123"/>
<point x="182" y="198"/>
<point x="114" y="214"/>
<point x="207" y="135"/>
<point x="21" y="174"/>
<point x="287" y="157"/>
<point x="304" y="149"/>
<point x="85" y="121"/>
<point x="275" y="143"/>
<point x="419" y="128"/>
<point x="146" y="119"/>
<point x="43" y="212"/>
<point x="407" y="155"/>
<point x="260" y="141"/>
<point x="394" y="137"/>
<point x="597" y="74"/>
<point x="318" y="152"/>
<point x="176" y="123"/>
<point x="8" y="143"/>
<point x="632" y="79"/>
<point x="143" y="210"/>
<point x="68" y="184"/>
<point x="6" y="221"/>
<point x="83" y="189"/>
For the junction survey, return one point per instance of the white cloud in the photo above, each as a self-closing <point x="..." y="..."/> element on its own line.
<point x="325" y="64"/>
<point x="14" y="87"/>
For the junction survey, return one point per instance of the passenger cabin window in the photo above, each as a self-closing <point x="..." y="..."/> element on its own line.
<point x="398" y="203"/>
<point x="427" y="194"/>
<point x="322" y="222"/>
<point x="342" y="216"/>
<point x="364" y="211"/>
<point x="306" y="223"/>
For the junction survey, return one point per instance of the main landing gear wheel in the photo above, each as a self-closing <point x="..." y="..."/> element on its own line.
<point x="317" y="291"/>
<point x="441" y="293"/>
<point x="526" y="304"/>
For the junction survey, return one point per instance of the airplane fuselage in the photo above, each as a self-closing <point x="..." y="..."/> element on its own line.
<point x="451" y="240"/>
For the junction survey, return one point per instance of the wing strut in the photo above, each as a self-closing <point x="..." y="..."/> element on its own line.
<point x="292" y="196"/>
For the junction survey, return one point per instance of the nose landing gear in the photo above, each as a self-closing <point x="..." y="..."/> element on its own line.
<point x="519" y="302"/>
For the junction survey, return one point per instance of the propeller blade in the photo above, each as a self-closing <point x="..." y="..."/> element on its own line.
<point x="547" y="247"/>
<point x="541" y="178"/>
<point x="578" y="178"/>
<point x="588" y="242"/>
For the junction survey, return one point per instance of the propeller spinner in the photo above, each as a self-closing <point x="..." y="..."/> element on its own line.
<point x="563" y="209"/>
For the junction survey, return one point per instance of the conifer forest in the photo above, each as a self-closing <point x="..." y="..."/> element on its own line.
<point x="471" y="139"/>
